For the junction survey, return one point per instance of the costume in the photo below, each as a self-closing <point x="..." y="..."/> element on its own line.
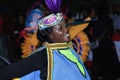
<point x="56" y="55"/>
<point x="64" y="53"/>
<point x="50" y="59"/>
<point x="54" y="52"/>
<point x="60" y="57"/>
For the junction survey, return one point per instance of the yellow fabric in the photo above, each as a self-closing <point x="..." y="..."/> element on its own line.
<point x="16" y="78"/>
<point x="84" y="43"/>
<point x="74" y="30"/>
<point x="30" y="42"/>
<point x="77" y="31"/>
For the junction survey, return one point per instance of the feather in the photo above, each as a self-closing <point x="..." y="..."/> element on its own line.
<point x="53" y="5"/>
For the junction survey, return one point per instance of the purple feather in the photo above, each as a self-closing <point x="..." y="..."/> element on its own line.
<point x="54" y="5"/>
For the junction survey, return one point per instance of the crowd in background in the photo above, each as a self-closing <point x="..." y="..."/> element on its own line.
<point x="105" y="30"/>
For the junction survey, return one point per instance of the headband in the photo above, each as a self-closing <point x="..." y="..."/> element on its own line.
<point x="50" y="20"/>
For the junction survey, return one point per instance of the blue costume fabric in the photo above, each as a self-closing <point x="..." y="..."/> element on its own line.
<point x="32" y="76"/>
<point x="63" y="64"/>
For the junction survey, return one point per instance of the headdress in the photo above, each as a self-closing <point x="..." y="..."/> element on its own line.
<point x="31" y="20"/>
<point x="50" y="21"/>
<point x="30" y="43"/>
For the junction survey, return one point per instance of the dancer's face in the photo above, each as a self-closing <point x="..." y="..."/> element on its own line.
<point x="60" y="33"/>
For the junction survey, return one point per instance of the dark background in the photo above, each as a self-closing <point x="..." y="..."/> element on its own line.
<point x="25" y="4"/>
<point x="17" y="4"/>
